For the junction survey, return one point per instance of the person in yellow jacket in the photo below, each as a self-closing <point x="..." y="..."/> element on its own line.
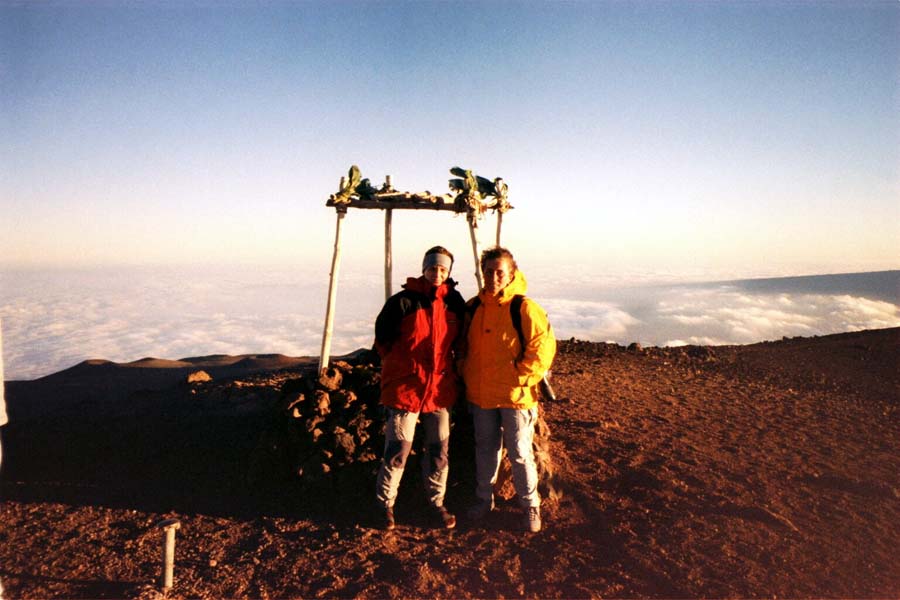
<point x="502" y="376"/>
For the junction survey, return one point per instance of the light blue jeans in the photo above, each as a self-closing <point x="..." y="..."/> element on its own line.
<point x="514" y="428"/>
<point x="398" y="438"/>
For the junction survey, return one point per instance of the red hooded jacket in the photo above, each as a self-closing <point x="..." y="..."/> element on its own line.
<point x="416" y="333"/>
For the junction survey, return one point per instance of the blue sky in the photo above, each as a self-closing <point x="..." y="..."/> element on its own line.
<point x="737" y="138"/>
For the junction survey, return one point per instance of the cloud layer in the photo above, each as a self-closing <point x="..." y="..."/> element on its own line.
<point x="717" y="315"/>
<point x="52" y="321"/>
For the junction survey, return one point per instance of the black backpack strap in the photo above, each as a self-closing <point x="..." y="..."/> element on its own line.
<point x="515" y="310"/>
<point x="515" y="313"/>
<point x="469" y="314"/>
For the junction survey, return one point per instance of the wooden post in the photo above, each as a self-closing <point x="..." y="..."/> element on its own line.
<point x="499" y="225"/>
<point x="388" y="258"/>
<point x="476" y="252"/>
<point x="332" y="294"/>
<point x="388" y="255"/>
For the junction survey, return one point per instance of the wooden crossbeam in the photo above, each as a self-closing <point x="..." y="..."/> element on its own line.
<point x="407" y="201"/>
<point x="403" y="202"/>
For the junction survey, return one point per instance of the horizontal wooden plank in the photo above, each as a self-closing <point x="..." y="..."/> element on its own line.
<point x="403" y="202"/>
<point x="398" y="204"/>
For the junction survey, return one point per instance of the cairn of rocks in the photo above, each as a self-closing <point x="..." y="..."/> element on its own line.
<point x="332" y="425"/>
<point x="332" y="419"/>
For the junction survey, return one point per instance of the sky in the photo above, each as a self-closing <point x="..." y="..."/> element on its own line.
<point x="733" y="139"/>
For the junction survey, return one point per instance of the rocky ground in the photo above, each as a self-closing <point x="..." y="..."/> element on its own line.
<point x="770" y="470"/>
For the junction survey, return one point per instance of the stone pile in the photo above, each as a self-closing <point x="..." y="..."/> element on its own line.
<point x="333" y="419"/>
<point x="332" y="425"/>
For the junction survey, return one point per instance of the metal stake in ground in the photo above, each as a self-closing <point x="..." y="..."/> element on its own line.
<point x="168" y="555"/>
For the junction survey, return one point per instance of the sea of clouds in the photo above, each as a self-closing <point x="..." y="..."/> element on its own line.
<point x="720" y="315"/>
<point x="54" y="319"/>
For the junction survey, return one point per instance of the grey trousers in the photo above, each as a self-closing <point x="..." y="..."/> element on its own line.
<point x="494" y="428"/>
<point x="399" y="432"/>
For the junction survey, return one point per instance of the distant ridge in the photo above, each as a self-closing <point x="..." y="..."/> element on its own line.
<point x="221" y="365"/>
<point x="157" y="363"/>
<point x="879" y="285"/>
<point x="96" y="379"/>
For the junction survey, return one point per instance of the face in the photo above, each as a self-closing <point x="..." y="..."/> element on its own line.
<point x="497" y="275"/>
<point x="436" y="275"/>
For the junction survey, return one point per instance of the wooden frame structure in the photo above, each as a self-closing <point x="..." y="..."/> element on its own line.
<point x="473" y="196"/>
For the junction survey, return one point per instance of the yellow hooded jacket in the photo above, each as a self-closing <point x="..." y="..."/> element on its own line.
<point x="496" y="372"/>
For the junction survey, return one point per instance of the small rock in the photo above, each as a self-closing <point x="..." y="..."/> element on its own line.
<point x="323" y="403"/>
<point x="292" y="400"/>
<point x="367" y="456"/>
<point x="199" y="377"/>
<point x="313" y="422"/>
<point x="330" y="379"/>
<point x="344" y="444"/>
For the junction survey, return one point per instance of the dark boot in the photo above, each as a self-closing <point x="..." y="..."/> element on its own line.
<point x="387" y="519"/>
<point x="443" y="517"/>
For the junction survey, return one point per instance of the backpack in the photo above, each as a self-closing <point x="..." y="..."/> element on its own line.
<point x="515" y="313"/>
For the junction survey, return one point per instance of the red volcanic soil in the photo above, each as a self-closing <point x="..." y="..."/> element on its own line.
<point x="770" y="470"/>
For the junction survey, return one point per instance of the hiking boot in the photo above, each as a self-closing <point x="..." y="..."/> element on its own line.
<point x="533" y="518"/>
<point x="480" y="509"/>
<point x="387" y="518"/>
<point x="444" y="517"/>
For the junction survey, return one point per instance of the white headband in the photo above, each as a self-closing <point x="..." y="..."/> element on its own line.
<point x="436" y="259"/>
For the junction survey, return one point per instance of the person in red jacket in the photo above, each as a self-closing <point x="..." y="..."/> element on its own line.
<point x="416" y="335"/>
